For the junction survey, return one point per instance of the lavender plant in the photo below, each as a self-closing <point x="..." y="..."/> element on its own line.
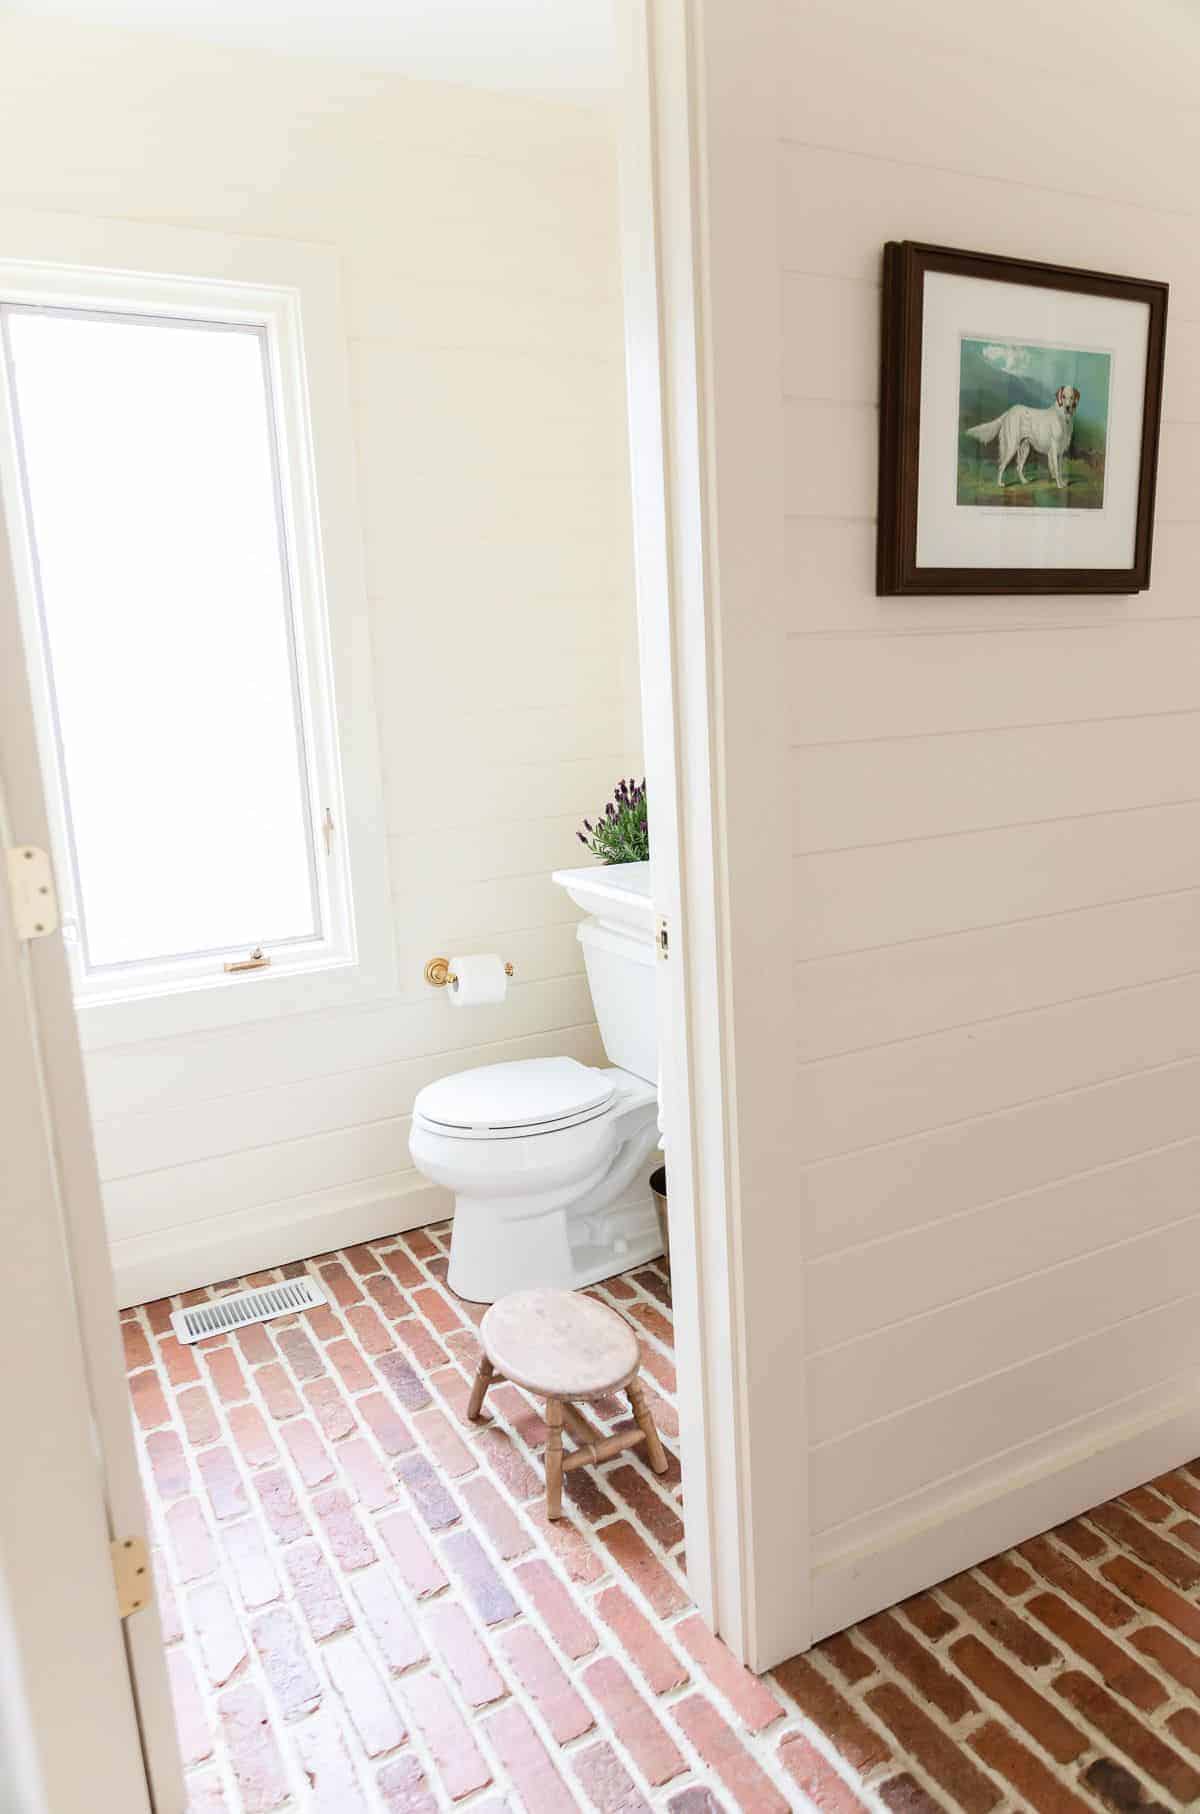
<point x="621" y="834"/>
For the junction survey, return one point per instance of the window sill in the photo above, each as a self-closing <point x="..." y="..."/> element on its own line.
<point x="211" y="1004"/>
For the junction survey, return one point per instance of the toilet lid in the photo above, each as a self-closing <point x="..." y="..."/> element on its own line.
<point x="531" y="1092"/>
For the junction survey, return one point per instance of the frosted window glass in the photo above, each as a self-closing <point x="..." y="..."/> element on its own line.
<point x="150" y="474"/>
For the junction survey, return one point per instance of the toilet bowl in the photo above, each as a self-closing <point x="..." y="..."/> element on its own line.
<point x="549" y="1159"/>
<point x="546" y="1158"/>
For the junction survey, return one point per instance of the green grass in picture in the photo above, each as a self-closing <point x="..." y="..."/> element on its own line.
<point x="1084" y="488"/>
<point x="996" y="377"/>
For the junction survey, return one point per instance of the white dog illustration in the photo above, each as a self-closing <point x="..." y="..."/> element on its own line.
<point x="1047" y="431"/>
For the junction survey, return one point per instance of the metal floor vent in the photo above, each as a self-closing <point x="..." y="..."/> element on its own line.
<point x="242" y="1307"/>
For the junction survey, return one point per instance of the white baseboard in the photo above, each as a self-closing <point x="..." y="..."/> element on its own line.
<point x="1055" y="1480"/>
<point x="225" y="1247"/>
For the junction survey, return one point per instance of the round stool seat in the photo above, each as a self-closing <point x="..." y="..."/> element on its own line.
<point x="559" y="1344"/>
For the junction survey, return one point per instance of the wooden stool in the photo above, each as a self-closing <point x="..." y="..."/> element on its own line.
<point x="562" y="1346"/>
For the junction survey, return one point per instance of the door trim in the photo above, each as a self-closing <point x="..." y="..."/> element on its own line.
<point x="702" y="343"/>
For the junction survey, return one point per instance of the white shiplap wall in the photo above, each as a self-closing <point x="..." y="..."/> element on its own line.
<point x="477" y="237"/>
<point x="996" y="826"/>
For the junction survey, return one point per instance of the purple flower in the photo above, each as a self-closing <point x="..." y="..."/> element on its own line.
<point x="620" y="833"/>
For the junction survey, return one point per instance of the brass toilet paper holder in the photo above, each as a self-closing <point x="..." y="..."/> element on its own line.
<point x="438" y="972"/>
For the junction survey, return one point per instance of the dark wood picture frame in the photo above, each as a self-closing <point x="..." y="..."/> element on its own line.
<point x="905" y="264"/>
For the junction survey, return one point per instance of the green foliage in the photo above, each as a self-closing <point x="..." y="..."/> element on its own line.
<point x="621" y="833"/>
<point x="1084" y="489"/>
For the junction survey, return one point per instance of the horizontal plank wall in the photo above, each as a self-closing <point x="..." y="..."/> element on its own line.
<point x="995" y="822"/>
<point x="478" y="240"/>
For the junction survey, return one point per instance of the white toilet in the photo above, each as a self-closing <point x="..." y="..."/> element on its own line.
<point x="549" y="1159"/>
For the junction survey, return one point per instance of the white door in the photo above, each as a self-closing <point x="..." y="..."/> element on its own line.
<point x="85" y="1692"/>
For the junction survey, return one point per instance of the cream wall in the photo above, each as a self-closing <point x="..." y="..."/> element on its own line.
<point x="478" y="244"/>
<point x="994" y="807"/>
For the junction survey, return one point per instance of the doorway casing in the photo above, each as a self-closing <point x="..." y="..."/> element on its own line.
<point x="709" y="581"/>
<point x="708" y="546"/>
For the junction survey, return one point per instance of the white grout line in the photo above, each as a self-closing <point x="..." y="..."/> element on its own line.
<point x="762" y="1747"/>
<point x="473" y="1719"/>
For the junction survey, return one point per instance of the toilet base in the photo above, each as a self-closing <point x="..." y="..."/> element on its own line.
<point x="623" y="1236"/>
<point x="561" y="1251"/>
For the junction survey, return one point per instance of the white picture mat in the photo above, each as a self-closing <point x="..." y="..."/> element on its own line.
<point x="953" y="535"/>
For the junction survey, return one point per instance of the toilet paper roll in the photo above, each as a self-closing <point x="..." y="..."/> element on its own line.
<point x="478" y="980"/>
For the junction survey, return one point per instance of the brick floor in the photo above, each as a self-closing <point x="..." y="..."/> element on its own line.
<point x="366" y="1609"/>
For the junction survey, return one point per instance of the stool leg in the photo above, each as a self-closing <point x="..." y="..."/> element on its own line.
<point x="554" y="1458"/>
<point x="645" y="1423"/>
<point x="483" y="1379"/>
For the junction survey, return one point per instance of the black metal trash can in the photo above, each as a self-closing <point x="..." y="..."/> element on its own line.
<point x="658" y="1187"/>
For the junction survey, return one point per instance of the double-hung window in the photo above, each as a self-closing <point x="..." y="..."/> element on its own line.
<point x="157" y="466"/>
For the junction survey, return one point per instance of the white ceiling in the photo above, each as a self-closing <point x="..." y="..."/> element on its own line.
<point x="546" y="46"/>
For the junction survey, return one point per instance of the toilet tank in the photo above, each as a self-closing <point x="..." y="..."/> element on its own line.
<point x="618" y="949"/>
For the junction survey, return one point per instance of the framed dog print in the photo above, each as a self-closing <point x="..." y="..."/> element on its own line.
<point x="1019" y="409"/>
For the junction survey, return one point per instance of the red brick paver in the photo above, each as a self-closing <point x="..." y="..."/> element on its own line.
<point x="366" y="1608"/>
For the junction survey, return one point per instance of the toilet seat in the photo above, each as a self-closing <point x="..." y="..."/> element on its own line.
<point x="524" y="1098"/>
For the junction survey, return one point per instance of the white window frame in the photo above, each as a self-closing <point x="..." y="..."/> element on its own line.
<point x="291" y="293"/>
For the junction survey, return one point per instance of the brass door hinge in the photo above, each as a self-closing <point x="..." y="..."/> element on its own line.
<point x="31" y="888"/>
<point x="131" y="1574"/>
